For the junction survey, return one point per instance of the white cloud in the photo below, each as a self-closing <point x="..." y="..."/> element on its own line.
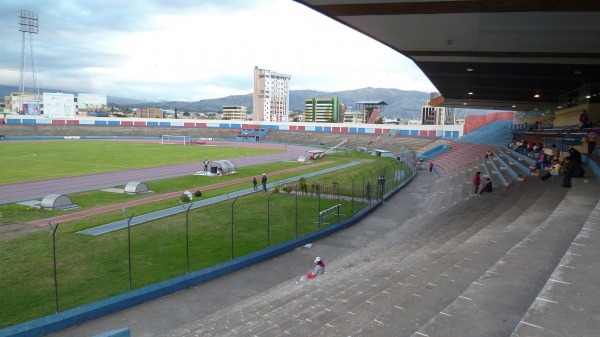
<point x="193" y="50"/>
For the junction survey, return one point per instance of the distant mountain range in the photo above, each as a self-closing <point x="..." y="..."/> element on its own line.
<point x="400" y="103"/>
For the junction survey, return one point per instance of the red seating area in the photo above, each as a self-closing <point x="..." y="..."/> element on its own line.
<point x="460" y="155"/>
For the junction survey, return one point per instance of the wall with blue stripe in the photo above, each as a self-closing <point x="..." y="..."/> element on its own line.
<point x="445" y="131"/>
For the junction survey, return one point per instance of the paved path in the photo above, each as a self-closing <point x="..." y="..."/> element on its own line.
<point x="11" y="193"/>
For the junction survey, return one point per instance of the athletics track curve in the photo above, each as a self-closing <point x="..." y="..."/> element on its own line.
<point x="16" y="192"/>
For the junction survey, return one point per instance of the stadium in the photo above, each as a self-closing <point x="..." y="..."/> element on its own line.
<point x="117" y="227"/>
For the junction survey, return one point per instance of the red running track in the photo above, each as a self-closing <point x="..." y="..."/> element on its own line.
<point x="15" y="192"/>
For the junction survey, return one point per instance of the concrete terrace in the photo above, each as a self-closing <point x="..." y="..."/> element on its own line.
<point x="433" y="260"/>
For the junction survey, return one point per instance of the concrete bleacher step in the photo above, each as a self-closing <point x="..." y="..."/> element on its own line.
<point x="497" y="171"/>
<point x="434" y="295"/>
<point x="393" y="280"/>
<point x="494" y="304"/>
<point x="460" y="155"/>
<point x="294" y="306"/>
<point x="306" y="312"/>
<point x="571" y="290"/>
<point x="257" y="311"/>
<point x="517" y="160"/>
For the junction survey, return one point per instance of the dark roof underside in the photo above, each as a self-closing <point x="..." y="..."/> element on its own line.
<point x="502" y="52"/>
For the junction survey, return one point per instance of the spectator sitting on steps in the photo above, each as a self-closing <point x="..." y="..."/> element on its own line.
<point x="541" y="162"/>
<point x="488" y="187"/>
<point x="555" y="151"/>
<point x="555" y="168"/>
<point x="318" y="270"/>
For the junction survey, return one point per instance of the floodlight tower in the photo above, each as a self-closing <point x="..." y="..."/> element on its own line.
<point x="28" y="25"/>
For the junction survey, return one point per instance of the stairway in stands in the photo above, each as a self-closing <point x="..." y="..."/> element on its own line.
<point x="465" y="266"/>
<point x="374" y="116"/>
<point x="497" y="133"/>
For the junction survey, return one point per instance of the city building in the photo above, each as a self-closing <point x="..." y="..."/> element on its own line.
<point x="356" y="116"/>
<point x="149" y="113"/>
<point x="436" y="115"/>
<point x="366" y="112"/>
<point x="235" y="112"/>
<point x="27" y="104"/>
<point x="322" y="110"/>
<point x="271" y="101"/>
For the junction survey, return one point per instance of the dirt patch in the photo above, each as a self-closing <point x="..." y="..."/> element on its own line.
<point x="15" y="229"/>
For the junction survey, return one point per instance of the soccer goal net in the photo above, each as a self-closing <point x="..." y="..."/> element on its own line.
<point x="174" y="140"/>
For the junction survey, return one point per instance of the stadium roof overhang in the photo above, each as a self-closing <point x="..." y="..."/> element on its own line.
<point x="492" y="54"/>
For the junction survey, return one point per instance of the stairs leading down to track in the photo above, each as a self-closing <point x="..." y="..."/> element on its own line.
<point x="466" y="266"/>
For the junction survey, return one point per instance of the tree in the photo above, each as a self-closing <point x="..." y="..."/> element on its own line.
<point x="379" y="120"/>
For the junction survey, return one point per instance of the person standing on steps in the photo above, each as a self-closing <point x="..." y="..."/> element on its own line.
<point x="430" y="166"/>
<point x="264" y="182"/>
<point x="574" y="170"/>
<point x="476" y="182"/>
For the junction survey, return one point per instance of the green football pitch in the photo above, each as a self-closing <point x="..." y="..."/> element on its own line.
<point x="26" y="161"/>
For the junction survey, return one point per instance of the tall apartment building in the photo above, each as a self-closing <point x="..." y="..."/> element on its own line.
<point x="322" y="110"/>
<point x="235" y="112"/>
<point x="271" y="101"/>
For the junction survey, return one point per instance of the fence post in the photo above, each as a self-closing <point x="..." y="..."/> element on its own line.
<point x="317" y="188"/>
<point x="187" y="240"/>
<point x="129" y="243"/>
<point x="339" y="193"/>
<point x="232" y="203"/>
<point x="53" y="230"/>
<point x="269" y="219"/>
<point x="296" y="210"/>
<point x="352" y="197"/>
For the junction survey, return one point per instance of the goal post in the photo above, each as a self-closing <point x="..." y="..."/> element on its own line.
<point x="174" y="140"/>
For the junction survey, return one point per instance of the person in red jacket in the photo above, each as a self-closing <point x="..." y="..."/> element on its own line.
<point x="476" y="182"/>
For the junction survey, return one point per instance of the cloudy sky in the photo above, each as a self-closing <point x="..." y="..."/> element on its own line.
<point x="193" y="49"/>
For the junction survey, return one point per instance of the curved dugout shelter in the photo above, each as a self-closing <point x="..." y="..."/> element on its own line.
<point x="57" y="201"/>
<point x="223" y="167"/>
<point x="135" y="187"/>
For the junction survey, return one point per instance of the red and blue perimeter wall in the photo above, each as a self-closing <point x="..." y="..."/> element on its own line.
<point x="445" y="131"/>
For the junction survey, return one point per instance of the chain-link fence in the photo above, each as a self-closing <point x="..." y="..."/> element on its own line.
<point x="53" y="273"/>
